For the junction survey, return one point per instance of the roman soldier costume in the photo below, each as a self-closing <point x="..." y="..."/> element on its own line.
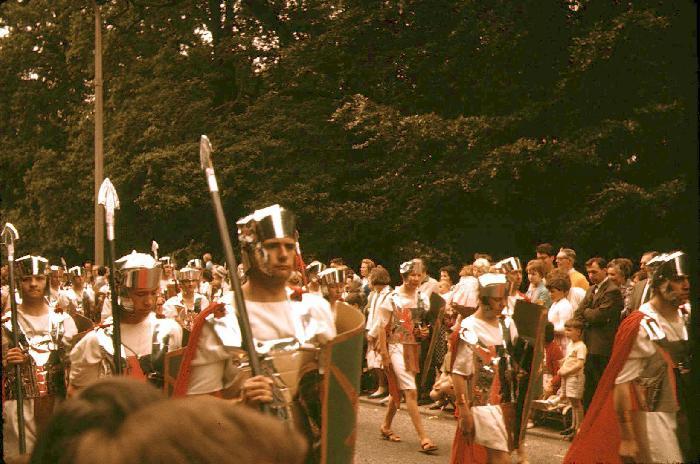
<point x="46" y="340"/>
<point x="81" y="300"/>
<point x="645" y="388"/>
<point x="315" y="373"/>
<point x="178" y="308"/>
<point x="499" y="366"/>
<point x="143" y="344"/>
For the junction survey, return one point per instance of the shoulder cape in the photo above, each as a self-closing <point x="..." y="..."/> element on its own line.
<point x="598" y="439"/>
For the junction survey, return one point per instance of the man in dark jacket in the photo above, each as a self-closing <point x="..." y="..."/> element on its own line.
<point x="600" y="313"/>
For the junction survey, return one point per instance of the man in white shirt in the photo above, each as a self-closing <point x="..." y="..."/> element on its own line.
<point x="144" y="338"/>
<point x="268" y="248"/>
<point x="79" y="298"/>
<point x="45" y="336"/>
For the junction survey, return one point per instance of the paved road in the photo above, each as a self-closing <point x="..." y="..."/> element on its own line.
<point x="441" y="428"/>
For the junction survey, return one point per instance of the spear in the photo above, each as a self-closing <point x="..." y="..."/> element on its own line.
<point x="65" y="270"/>
<point x="243" y="321"/>
<point x="9" y="236"/>
<point x="154" y="249"/>
<point x="107" y="197"/>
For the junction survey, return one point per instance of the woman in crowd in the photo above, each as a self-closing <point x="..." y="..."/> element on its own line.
<point x="559" y="284"/>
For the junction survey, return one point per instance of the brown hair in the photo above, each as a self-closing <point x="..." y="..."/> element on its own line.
<point x="467" y="270"/>
<point x="370" y="264"/>
<point x="560" y="280"/>
<point x="574" y="324"/>
<point x="601" y="262"/>
<point x="103" y="406"/>
<point x="379" y="276"/>
<point x="536" y="265"/>
<point x="545" y="249"/>
<point x="624" y="265"/>
<point x="195" y="429"/>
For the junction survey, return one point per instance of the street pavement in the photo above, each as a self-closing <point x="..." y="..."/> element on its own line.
<point x="544" y="445"/>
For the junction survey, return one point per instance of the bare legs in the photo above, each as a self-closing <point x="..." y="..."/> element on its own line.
<point x="577" y="413"/>
<point x="381" y="380"/>
<point x="412" y="407"/>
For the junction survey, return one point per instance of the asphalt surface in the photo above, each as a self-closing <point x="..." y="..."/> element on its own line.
<point x="543" y="444"/>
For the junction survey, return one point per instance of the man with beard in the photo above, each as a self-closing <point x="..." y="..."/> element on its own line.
<point x="44" y="339"/>
<point x="639" y="412"/>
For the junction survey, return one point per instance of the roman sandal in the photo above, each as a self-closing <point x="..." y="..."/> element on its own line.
<point x="389" y="435"/>
<point x="427" y="446"/>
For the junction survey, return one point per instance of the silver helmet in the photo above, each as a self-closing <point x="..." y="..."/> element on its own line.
<point x="264" y="224"/>
<point x="76" y="271"/>
<point x="32" y="265"/>
<point x="333" y="275"/>
<point x="668" y="266"/>
<point x="492" y="285"/>
<point x="195" y="263"/>
<point x="315" y="267"/>
<point x="188" y="273"/>
<point x="510" y="264"/>
<point x="136" y="271"/>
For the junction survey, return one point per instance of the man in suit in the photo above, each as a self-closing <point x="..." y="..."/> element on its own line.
<point x="599" y="311"/>
<point x="641" y="293"/>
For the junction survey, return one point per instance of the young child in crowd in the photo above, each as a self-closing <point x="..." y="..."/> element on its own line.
<point x="552" y="360"/>
<point x="571" y="373"/>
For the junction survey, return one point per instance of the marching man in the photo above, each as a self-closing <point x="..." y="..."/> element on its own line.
<point x="640" y="409"/>
<point x="282" y="328"/>
<point x="482" y="375"/>
<point x="189" y="302"/>
<point x="44" y="341"/>
<point x="79" y="298"/>
<point x="398" y="334"/>
<point x="144" y="338"/>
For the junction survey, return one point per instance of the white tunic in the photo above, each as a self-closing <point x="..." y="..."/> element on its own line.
<point x="69" y="300"/>
<point x="37" y="330"/>
<point x="466" y="292"/>
<point x="661" y="441"/>
<point x="173" y="306"/>
<point x="489" y="425"/>
<point x="212" y="367"/>
<point x="137" y="340"/>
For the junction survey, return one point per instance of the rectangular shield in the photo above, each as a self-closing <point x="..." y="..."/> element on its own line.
<point x="530" y="319"/>
<point x="341" y="364"/>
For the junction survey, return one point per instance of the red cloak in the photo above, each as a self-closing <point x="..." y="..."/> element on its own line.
<point x="598" y="439"/>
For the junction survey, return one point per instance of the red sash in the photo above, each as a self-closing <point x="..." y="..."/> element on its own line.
<point x="183" y="377"/>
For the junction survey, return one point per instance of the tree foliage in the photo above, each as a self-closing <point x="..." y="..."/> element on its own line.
<point x="392" y="129"/>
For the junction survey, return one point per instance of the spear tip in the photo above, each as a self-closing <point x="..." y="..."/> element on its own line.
<point x="10" y="232"/>
<point x="107" y="195"/>
<point x="205" y="152"/>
